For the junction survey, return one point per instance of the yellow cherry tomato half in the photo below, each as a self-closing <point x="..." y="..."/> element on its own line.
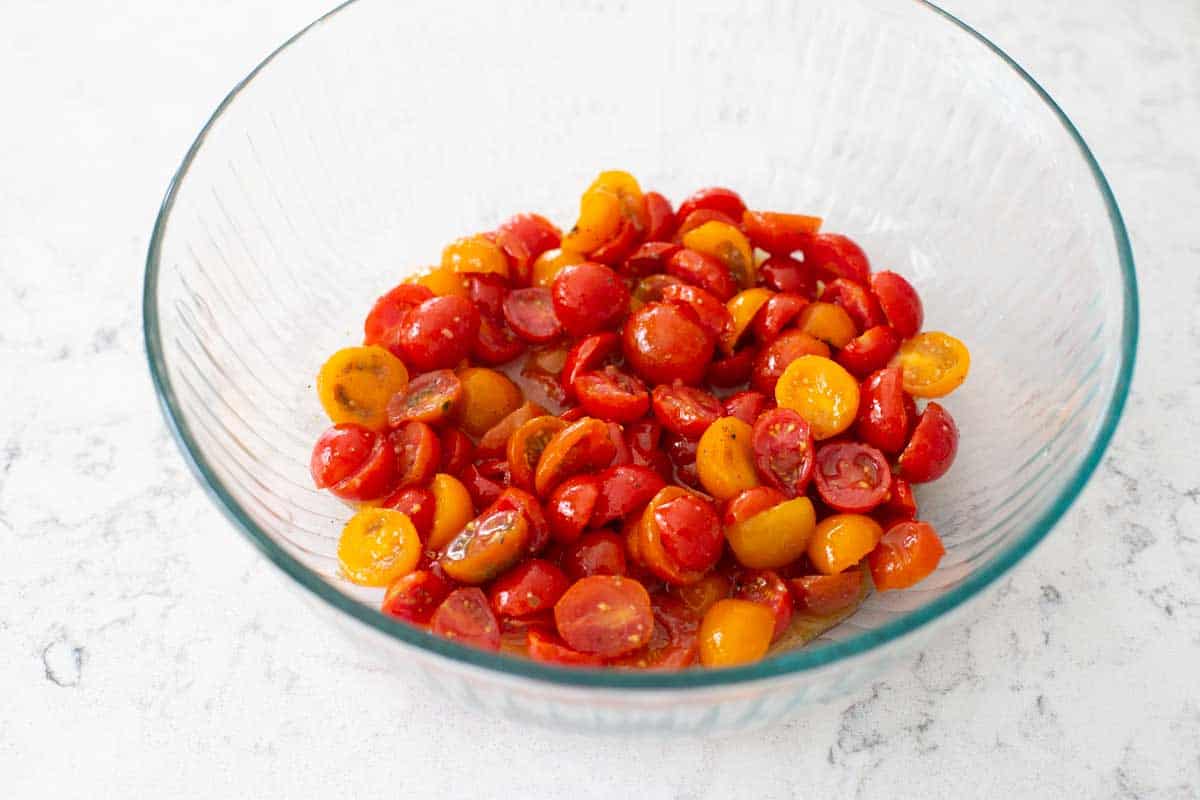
<point x="725" y="458"/>
<point x="822" y="392"/>
<point x="487" y="397"/>
<point x="378" y="545"/>
<point x="452" y="510"/>
<point x="599" y="220"/>
<point x="548" y="264"/>
<point x="775" y="537"/>
<point x="443" y="282"/>
<point x="475" y="254"/>
<point x="618" y="182"/>
<point x="356" y="383"/>
<point x="735" y="632"/>
<point x="828" y="322"/>
<point x="842" y="540"/>
<point x="742" y="307"/>
<point x="727" y="244"/>
<point x="934" y="364"/>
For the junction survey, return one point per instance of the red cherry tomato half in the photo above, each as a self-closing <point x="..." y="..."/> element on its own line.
<point x="595" y="553"/>
<point x="785" y="274"/>
<point x="766" y="588"/>
<point x="852" y="477"/>
<point x="747" y="406"/>
<point x="690" y="531"/>
<point x="884" y="420"/>
<point x="528" y="588"/>
<point x="900" y="303"/>
<point x="732" y="370"/>
<point x="430" y="398"/>
<point x="674" y="644"/>
<point x="859" y="303"/>
<point x="776" y="314"/>
<point x="611" y="394"/>
<point x="549" y="649"/>
<point x="773" y="359"/>
<point x="417" y="503"/>
<point x="932" y="448"/>
<point x="416" y="596"/>
<point x="870" y="351"/>
<point x="375" y="478"/>
<point x="581" y="446"/>
<point x="685" y="410"/>
<point x="703" y="271"/>
<point x="485" y="481"/>
<point x="624" y="242"/>
<point x="751" y="502"/>
<point x="437" y="334"/>
<point x="644" y="438"/>
<point x="382" y="326"/>
<point x="714" y="198"/>
<point x="588" y="354"/>
<point x="681" y="451"/>
<point x="465" y="617"/>
<point x="660" y="218"/>
<point x="779" y="233"/>
<point x="822" y="595"/>
<point x="524" y="237"/>
<point x="649" y="259"/>
<point x="784" y="450"/>
<point x="589" y="297"/>
<point x="418" y="453"/>
<point x="530" y="313"/>
<point x="622" y="455"/>
<point x="487" y="291"/>
<point x="906" y="554"/>
<point x="570" y="506"/>
<point x="457" y="451"/>
<point x="900" y="506"/>
<point x="665" y="343"/>
<point x="650" y="289"/>
<point x="835" y="256"/>
<point x="624" y="490"/>
<point x="711" y="312"/>
<point x="521" y="501"/>
<point x="496" y="343"/>
<point x="607" y="615"/>
<point x="340" y="452"/>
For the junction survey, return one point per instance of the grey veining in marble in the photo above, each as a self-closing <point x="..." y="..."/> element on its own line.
<point x="147" y="651"/>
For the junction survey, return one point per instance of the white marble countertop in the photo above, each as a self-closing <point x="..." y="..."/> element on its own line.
<point x="147" y="651"/>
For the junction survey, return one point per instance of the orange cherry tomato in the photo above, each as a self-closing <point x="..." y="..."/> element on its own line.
<point x="828" y="322"/>
<point x="779" y="233"/>
<point x="773" y="359"/>
<point x="821" y="391"/>
<point x="487" y="397"/>
<point x="526" y="445"/>
<point x="842" y="540"/>
<point x="487" y="546"/>
<point x="378" y="545"/>
<point x="494" y="443"/>
<point x="744" y="306"/>
<point x="735" y="632"/>
<point x="547" y="266"/>
<point x="774" y="537"/>
<point x="725" y="458"/>
<point x="444" y="282"/>
<point x="581" y="446"/>
<point x="934" y="364"/>
<point x="700" y="596"/>
<point x="599" y="221"/>
<point x="356" y="383"/>
<point x="905" y="555"/>
<point x="678" y="537"/>
<point x="452" y="510"/>
<point x="474" y="254"/>
<point x="606" y="615"/>
<point x="727" y="243"/>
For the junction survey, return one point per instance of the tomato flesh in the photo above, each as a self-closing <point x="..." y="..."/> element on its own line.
<point x="465" y="617"/>
<point x="852" y="477"/>
<point x="784" y="452"/>
<point x="606" y="615"/>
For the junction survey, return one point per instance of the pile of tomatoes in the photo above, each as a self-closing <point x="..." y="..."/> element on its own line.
<point x="668" y="436"/>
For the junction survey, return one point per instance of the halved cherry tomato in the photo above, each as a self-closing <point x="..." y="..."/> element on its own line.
<point x="725" y="458"/>
<point x="622" y="491"/>
<point x="766" y="588"/>
<point x="703" y="270"/>
<point x="783" y="449"/>
<point x="540" y="375"/>
<point x="773" y="359"/>
<point x="774" y="537"/>
<point x="779" y="233"/>
<point x="607" y="615"/>
<point x="784" y="274"/>
<point x="612" y="395"/>
<point x="751" y="502"/>
<point x="649" y="259"/>
<point x="622" y="455"/>
<point x="495" y="442"/>
<point x="570" y="506"/>
<point x="747" y="406"/>
<point x="934" y="364"/>
<point x="884" y="419"/>
<point x="530" y="313"/>
<point x="644" y="538"/>
<point x="840" y="541"/>
<point x="524" y="237"/>
<point x="665" y="343"/>
<point x="821" y="392"/>
<point x="382" y="325"/>
<point x="742" y="310"/>
<point x="776" y="314"/>
<point x="700" y="596"/>
<point x="714" y="198"/>
<point x="547" y="266"/>
<point x="673" y="644"/>
<point x="826" y="594"/>
<point x="828" y="322"/>
<point x="496" y="343"/>
<point x="581" y="446"/>
<point x="859" y="303"/>
<point x="729" y="245"/>
<point x="377" y="546"/>
<point x="614" y="201"/>
<point x="900" y="303"/>
<point x="590" y="353"/>
<point x="732" y="370"/>
<point x="588" y="297"/>
<point x="487" y="291"/>
<point x="416" y="596"/>
<point x="905" y="555"/>
<point x="680" y="450"/>
<point x="852" y="477"/>
<point x="430" y="398"/>
<point x="700" y="217"/>
<point x="710" y="311"/>
<point x="485" y="481"/>
<point x="356" y="383"/>
<point x="487" y="397"/>
<point x="836" y="256"/>
<point x="522" y="501"/>
<point x="685" y="410"/>
<point x="595" y="553"/>
<point x="644" y="438"/>
<point x="549" y="649"/>
<point x="869" y="351"/>
<point x="487" y="546"/>
<point x="901" y="504"/>
<point x="735" y="632"/>
<point x="932" y="448"/>
<point x="660" y="218"/>
<point x="340" y="452"/>
<point x="531" y="587"/>
<point x="475" y="254"/>
<point x="689" y="529"/>
<point x="374" y="477"/>
<point x="650" y="289"/>
<point x="438" y="333"/>
<point x="526" y="445"/>
<point x="465" y="617"/>
<point x="415" y="502"/>
<point x="443" y="282"/>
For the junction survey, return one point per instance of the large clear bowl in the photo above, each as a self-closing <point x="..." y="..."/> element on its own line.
<point x="356" y="150"/>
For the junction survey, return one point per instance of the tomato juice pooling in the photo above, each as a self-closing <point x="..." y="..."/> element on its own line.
<point x="664" y="437"/>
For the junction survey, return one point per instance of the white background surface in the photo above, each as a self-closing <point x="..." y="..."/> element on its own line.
<point x="147" y="651"/>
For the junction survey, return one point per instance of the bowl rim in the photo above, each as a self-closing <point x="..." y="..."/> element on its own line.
<point x="785" y="664"/>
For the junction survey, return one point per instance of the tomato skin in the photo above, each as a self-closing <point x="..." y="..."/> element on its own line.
<point x="931" y="450"/>
<point x="430" y="398"/>
<point x="494" y="443"/>
<point x="842" y="540"/>
<point x="457" y="451"/>
<point x="869" y="351"/>
<point x="588" y="354"/>
<point x="624" y="490"/>
<point x="521" y="501"/>
<point x="595" y="553"/>
<point x="526" y="445"/>
<point x="884" y="420"/>
<point x="649" y="259"/>
<point x="588" y="297"/>
<point x="836" y="256"/>
<point x="465" y="617"/>
<point x="710" y="311"/>
<point x="690" y="531"/>
<point x="530" y="313"/>
<point x="773" y="359"/>
<point x="714" y="198"/>
<point x="485" y="481"/>
<point x="765" y="587"/>
<point x="751" y="502"/>
<point x="570" y="506"/>
<point x="423" y="342"/>
<point x="382" y="326"/>
<point x="523" y="238"/>
<point x="747" y="406"/>
<point x="487" y="291"/>
<point x="732" y="370"/>
<point x="779" y="233"/>
<point x="673" y="643"/>
<point x="784" y="451"/>
<point x="699" y="218"/>
<point x="496" y="343"/>
<point x="549" y="649"/>
<point x="778" y="312"/>
<point x="644" y="438"/>
<point x="901" y="503"/>
<point x="611" y="394"/>
<point x="906" y="554"/>
<point x="685" y="410"/>
<point x="418" y="453"/>
<point x="650" y="289"/>
<point x="417" y="503"/>
<point x="416" y="596"/>
<point x="826" y="594"/>
<point x="340" y="452"/>
<point x="531" y="587"/>
<point x="858" y="302"/>
<point x="699" y="597"/>
<point x="787" y="275"/>
<point x="606" y="615"/>
<point x="581" y="446"/>
<point x="375" y="478"/>
<point x="735" y="632"/>
<point x="660" y="218"/>
<point x="900" y="303"/>
<point x="703" y="271"/>
<point x="665" y="343"/>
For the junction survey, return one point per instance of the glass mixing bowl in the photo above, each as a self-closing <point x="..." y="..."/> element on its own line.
<point x="354" y="152"/>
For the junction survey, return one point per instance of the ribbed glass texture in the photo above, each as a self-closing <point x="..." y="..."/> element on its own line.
<point x="385" y="130"/>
